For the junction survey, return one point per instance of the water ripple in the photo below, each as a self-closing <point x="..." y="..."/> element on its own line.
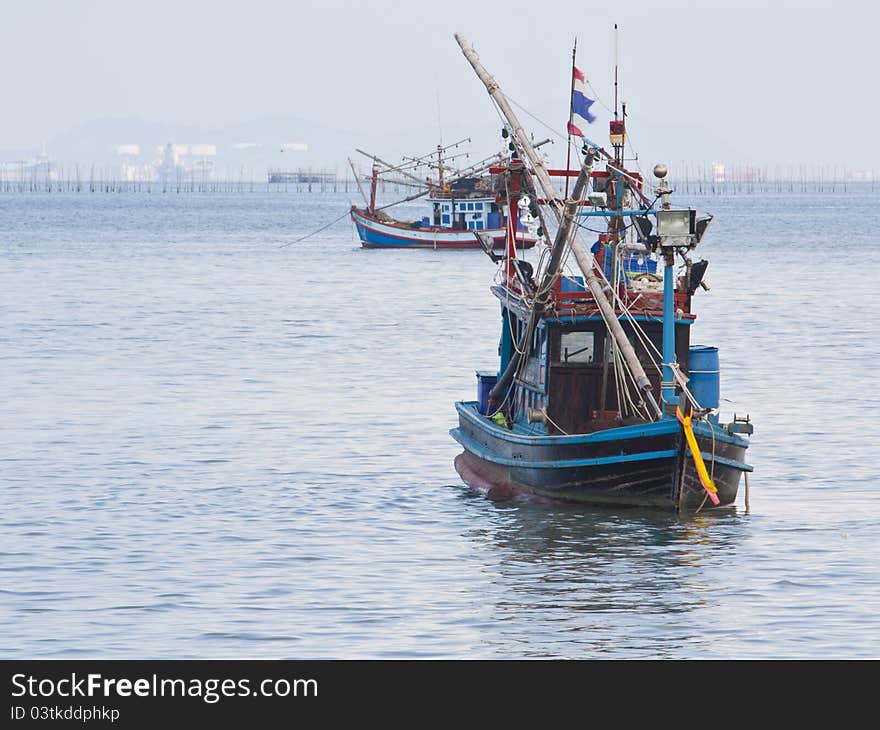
<point x="214" y="447"/>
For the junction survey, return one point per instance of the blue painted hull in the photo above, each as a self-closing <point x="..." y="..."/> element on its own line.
<point x="383" y="234"/>
<point x="646" y="465"/>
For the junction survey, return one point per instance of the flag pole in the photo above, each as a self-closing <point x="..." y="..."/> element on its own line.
<point x="570" y="117"/>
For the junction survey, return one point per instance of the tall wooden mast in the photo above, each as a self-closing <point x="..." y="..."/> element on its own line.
<point x="582" y="254"/>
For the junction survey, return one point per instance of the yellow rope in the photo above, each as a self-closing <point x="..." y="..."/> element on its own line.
<point x="705" y="480"/>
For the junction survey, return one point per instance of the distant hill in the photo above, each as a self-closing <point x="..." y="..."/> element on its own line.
<point x="248" y="148"/>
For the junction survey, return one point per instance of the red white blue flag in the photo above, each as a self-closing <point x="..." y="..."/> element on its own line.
<point x="580" y="106"/>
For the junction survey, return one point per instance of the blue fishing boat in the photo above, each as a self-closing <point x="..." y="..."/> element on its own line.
<point x="460" y="203"/>
<point x="599" y="395"/>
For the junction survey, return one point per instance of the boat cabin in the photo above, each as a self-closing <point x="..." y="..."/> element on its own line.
<point x="570" y="382"/>
<point x="468" y="204"/>
<point x="464" y="214"/>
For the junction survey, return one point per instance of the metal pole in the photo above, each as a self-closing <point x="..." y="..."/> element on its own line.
<point x="668" y="386"/>
<point x="615" y="70"/>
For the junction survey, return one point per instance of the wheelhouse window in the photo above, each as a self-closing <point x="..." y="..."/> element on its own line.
<point x="537" y="357"/>
<point x="577" y="347"/>
<point x="539" y="342"/>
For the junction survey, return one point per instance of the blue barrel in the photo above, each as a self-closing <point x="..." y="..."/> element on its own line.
<point x="426" y="222"/>
<point x="493" y="220"/>
<point x="572" y="284"/>
<point x="705" y="375"/>
<point x="485" y="382"/>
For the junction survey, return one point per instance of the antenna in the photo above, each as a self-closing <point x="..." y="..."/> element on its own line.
<point x="615" y="70"/>
<point x="439" y="125"/>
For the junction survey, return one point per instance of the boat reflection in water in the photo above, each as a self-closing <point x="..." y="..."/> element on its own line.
<point x="567" y="580"/>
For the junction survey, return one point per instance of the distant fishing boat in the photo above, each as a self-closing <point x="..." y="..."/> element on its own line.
<point x="460" y="204"/>
<point x="571" y="412"/>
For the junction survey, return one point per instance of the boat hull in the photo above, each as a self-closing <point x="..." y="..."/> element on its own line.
<point x="647" y="465"/>
<point x="374" y="233"/>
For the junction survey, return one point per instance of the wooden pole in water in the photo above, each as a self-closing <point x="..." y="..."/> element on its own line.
<point x="746" y="475"/>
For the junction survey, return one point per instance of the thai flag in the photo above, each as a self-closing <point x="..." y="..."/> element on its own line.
<point x="580" y="106"/>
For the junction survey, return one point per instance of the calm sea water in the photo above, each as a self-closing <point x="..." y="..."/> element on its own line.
<point x="219" y="442"/>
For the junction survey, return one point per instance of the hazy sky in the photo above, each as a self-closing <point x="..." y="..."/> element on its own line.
<point x="770" y="81"/>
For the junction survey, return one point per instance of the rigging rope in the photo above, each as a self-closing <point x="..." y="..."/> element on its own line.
<point x="556" y="425"/>
<point x="539" y="121"/>
<point x="335" y="220"/>
<point x="314" y="233"/>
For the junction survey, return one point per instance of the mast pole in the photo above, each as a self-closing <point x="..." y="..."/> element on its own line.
<point x="373" y="184"/>
<point x="570" y="117"/>
<point x="516" y="171"/>
<point x="440" y="165"/>
<point x="582" y="253"/>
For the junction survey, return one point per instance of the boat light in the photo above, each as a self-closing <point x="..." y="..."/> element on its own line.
<point x="701" y="225"/>
<point x="643" y="227"/>
<point x="598" y="200"/>
<point x="677" y="227"/>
